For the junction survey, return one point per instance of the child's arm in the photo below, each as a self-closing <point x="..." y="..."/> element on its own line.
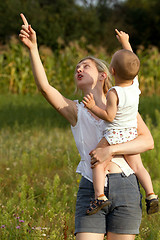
<point x="64" y="106"/>
<point x="111" y="106"/>
<point x="123" y="38"/>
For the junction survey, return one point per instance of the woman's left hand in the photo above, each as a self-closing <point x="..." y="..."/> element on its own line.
<point x="99" y="155"/>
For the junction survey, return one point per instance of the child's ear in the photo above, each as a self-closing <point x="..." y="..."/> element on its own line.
<point x="112" y="71"/>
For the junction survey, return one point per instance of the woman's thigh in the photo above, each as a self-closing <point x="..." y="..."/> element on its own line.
<point x="115" y="236"/>
<point x="125" y="213"/>
<point x="96" y="223"/>
<point x="122" y="218"/>
<point x="89" y="236"/>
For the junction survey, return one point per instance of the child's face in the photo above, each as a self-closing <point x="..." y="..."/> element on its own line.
<point x="86" y="74"/>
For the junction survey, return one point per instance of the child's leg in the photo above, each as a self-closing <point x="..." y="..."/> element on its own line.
<point x="99" y="173"/>
<point x="102" y="143"/>
<point x="143" y="176"/>
<point x="152" y="203"/>
<point x="99" y="179"/>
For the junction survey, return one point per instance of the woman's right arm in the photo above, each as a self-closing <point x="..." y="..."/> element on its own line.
<point x="64" y="106"/>
<point x="142" y="143"/>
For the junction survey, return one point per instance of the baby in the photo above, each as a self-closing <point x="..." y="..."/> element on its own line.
<point x="121" y="126"/>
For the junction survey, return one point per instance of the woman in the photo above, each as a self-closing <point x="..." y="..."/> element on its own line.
<point x="90" y="77"/>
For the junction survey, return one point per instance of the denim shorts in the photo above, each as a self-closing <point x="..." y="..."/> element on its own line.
<point x="124" y="214"/>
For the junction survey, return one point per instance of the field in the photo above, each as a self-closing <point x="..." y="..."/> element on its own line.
<point x="38" y="155"/>
<point x="38" y="159"/>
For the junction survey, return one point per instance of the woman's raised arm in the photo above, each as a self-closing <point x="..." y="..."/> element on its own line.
<point x="142" y="143"/>
<point x="64" y="106"/>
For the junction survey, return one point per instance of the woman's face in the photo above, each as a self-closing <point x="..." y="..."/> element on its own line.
<point x="86" y="74"/>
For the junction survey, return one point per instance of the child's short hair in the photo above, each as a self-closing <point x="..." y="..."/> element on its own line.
<point x="126" y="64"/>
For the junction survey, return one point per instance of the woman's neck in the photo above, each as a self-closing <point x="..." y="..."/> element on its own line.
<point x="99" y="97"/>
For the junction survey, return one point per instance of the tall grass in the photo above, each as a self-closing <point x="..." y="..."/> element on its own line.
<point x="37" y="171"/>
<point x="38" y="159"/>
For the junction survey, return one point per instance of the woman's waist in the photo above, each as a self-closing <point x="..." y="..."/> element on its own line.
<point x="117" y="165"/>
<point x="84" y="167"/>
<point x="112" y="168"/>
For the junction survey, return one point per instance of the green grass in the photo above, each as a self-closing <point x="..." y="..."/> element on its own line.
<point x="38" y="159"/>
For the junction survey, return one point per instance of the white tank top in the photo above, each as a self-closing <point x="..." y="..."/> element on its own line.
<point x="87" y="133"/>
<point x="126" y="116"/>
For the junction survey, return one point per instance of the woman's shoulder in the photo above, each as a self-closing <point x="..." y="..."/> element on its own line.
<point x="83" y="115"/>
<point x="78" y="112"/>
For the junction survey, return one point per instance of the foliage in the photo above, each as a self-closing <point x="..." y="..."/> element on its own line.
<point x="150" y="71"/>
<point x="141" y="18"/>
<point x="16" y="74"/>
<point x="15" y="70"/>
<point x="94" y="20"/>
<point x="38" y="160"/>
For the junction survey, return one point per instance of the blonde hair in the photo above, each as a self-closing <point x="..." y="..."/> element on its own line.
<point x="101" y="67"/>
<point x="126" y="64"/>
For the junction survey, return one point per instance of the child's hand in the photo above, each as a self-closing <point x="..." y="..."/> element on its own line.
<point x="123" y="38"/>
<point x="27" y="34"/>
<point x="88" y="101"/>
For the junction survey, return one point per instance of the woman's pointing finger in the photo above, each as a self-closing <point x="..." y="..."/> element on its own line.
<point x="24" y="19"/>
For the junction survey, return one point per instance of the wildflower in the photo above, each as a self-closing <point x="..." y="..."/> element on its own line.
<point x="18" y="227"/>
<point x="21" y="220"/>
<point x="3" y="226"/>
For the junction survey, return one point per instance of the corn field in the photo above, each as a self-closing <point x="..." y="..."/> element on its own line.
<point x="16" y="75"/>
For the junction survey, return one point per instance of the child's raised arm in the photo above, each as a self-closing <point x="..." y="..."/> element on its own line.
<point x="64" y="106"/>
<point x="123" y="38"/>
